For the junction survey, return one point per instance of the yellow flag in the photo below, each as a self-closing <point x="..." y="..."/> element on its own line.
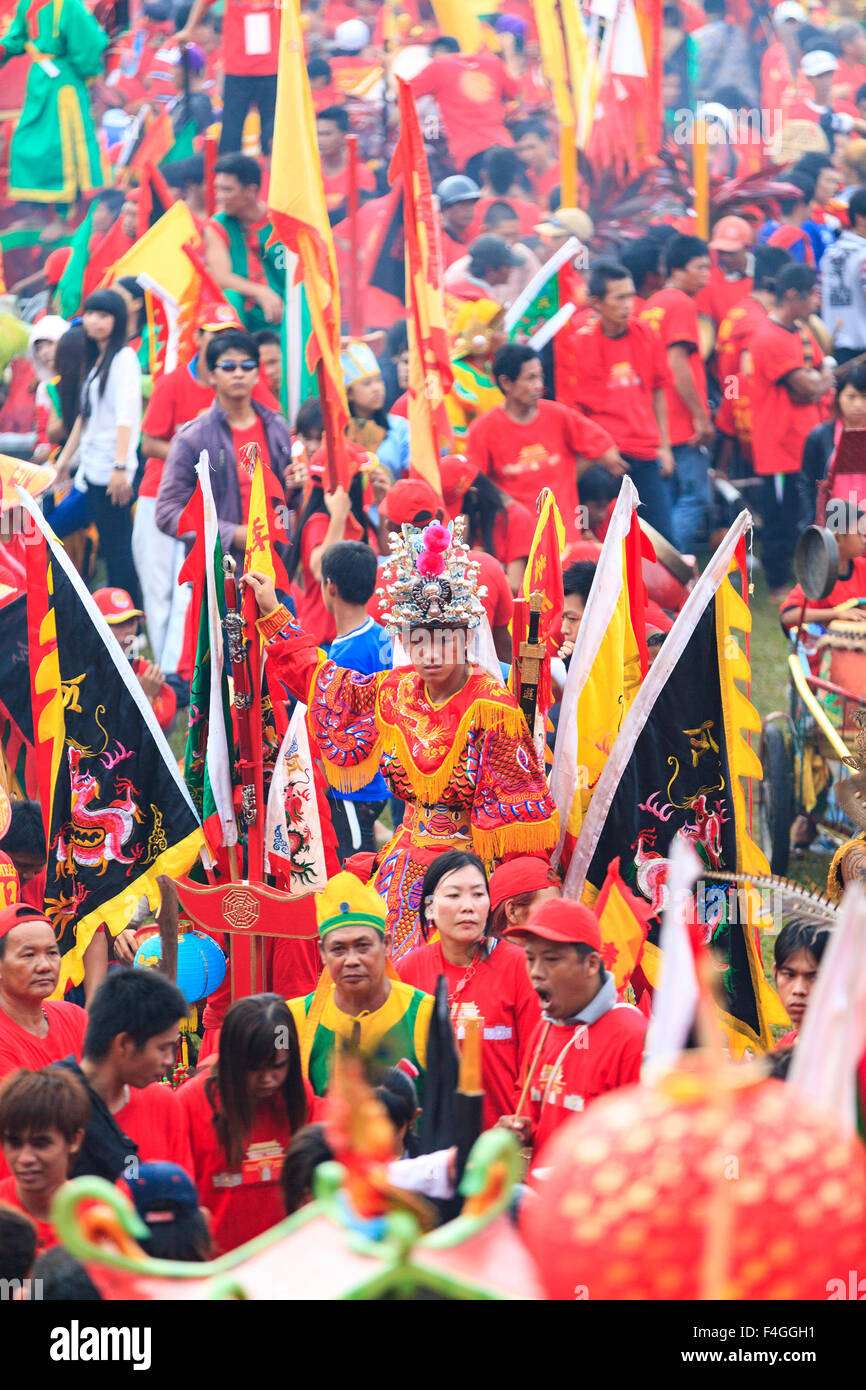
<point x="159" y="253"/>
<point x="299" y="216"/>
<point x="553" y="58"/>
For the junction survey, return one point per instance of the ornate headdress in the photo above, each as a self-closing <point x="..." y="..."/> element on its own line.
<point x="429" y="580"/>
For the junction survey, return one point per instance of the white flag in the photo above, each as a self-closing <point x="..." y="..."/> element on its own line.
<point x="293" y="830"/>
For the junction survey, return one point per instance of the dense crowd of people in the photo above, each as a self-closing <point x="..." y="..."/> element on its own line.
<point x="712" y="348"/>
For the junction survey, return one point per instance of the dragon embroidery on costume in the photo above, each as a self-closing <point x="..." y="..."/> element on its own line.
<point x="95" y="835"/>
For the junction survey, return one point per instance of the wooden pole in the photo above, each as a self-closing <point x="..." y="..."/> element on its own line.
<point x="701" y="178"/>
<point x="567" y="167"/>
<point x="166" y="920"/>
<point x="355" y="321"/>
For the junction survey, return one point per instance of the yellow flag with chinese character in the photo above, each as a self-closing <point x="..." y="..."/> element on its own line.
<point x="263" y="523"/>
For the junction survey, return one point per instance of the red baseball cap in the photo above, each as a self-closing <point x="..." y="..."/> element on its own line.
<point x="216" y="316"/>
<point x="731" y="234"/>
<point x="560" y="919"/>
<point x="116" y="606"/>
<point x="18" y="914"/>
<point x="457" y="478"/>
<point x="55" y="264"/>
<point x="523" y="874"/>
<point x="406" y="499"/>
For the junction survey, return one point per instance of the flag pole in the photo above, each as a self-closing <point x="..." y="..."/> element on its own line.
<point x="328" y="422"/>
<point x="701" y="178"/>
<point x="355" y="323"/>
<point x="567" y="167"/>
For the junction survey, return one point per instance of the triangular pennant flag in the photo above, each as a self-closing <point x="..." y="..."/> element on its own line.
<point x="293" y="830"/>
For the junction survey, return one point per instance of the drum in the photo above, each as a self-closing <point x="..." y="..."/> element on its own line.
<point x="669" y="578"/>
<point x="843" y="661"/>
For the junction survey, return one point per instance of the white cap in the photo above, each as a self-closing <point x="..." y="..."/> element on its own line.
<point x="352" y="35"/>
<point x="789" y="9"/>
<point x="817" y="62"/>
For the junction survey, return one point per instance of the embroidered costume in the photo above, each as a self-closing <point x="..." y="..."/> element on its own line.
<point x="54" y="154"/>
<point x="467" y="769"/>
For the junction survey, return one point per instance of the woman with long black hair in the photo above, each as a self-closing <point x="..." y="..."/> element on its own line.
<point x="242" y="1116"/>
<point x="105" y="436"/>
<point x="486" y="977"/>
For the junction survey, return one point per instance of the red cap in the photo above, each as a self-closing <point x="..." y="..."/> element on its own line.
<point x="116" y="606"/>
<point x="362" y="865"/>
<point x="216" y="316"/>
<point x="457" y="478"/>
<point x="18" y="914"/>
<point x="55" y="264"/>
<point x="407" y="498"/>
<point x="560" y="919"/>
<point x="731" y="234"/>
<point x="523" y="874"/>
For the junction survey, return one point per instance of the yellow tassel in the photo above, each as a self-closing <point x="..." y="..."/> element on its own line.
<point x="527" y="837"/>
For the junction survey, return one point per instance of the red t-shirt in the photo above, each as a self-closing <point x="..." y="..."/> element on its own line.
<point x="46" y="1236"/>
<point x="738" y="327"/>
<point x="615" y="384"/>
<point x="452" y="249"/>
<point x="513" y="532"/>
<point x="242" y="1204"/>
<point x="499" y="600"/>
<point x="177" y="397"/>
<point x="780" y="425"/>
<point x="498" y="989"/>
<point x="674" y="316"/>
<point x="471" y="91"/>
<point x="545" y="184"/>
<point x="255" y="434"/>
<point x="851" y="76"/>
<point x="529" y="215"/>
<point x="603" y="1056"/>
<point x="312" y="614"/>
<point x="521" y="459"/>
<point x="806" y="110"/>
<point x="852" y="587"/>
<point x="154" y="1118"/>
<point x="337" y="185"/>
<point x="251" y="37"/>
<point x="720" y="294"/>
<point x="65" y="1037"/>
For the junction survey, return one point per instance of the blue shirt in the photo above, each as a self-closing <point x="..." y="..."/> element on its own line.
<point x="366" y="650"/>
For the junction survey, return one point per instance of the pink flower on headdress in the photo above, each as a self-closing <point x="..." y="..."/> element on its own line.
<point x="430" y="563"/>
<point x="437" y="538"/>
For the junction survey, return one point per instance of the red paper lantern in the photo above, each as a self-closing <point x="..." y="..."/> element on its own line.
<point x="713" y="1183"/>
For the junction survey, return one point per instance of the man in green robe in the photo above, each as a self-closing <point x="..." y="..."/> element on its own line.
<point x="250" y="274"/>
<point x="55" y="154"/>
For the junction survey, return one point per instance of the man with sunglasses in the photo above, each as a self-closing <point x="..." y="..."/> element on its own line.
<point x="236" y="418"/>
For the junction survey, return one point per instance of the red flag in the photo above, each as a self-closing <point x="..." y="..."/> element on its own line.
<point x="430" y="374"/>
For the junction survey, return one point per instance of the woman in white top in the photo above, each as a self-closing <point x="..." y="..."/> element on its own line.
<point x="106" y="436"/>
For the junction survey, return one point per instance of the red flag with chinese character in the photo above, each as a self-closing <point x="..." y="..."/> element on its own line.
<point x="430" y="374"/>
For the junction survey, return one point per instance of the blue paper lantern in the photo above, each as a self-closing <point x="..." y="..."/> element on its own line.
<point x="201" y="965"/>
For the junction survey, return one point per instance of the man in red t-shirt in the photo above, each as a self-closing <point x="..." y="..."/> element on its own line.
<point x="130" y="1045"/>
<point x="234" y="419"/>
<point x="534" y="149"/>
<point x="733" y="354"/>
<point x="251" y="48"/>
<point x="471" y="91"/>
<point x="332" y="126"/>
<point x="730" y="278"/>
<point x="34" y="1029"/>
<point x="529" y="443"/>
<point x="672" y="312"/>
<point x="621" y="385"/>
<point x="177" y="397"/>
<point x="787" y="384"/>
<point x="586" y="1042"/>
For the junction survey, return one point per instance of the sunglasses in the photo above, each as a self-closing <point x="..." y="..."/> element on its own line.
<point x="248" y="365"/>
